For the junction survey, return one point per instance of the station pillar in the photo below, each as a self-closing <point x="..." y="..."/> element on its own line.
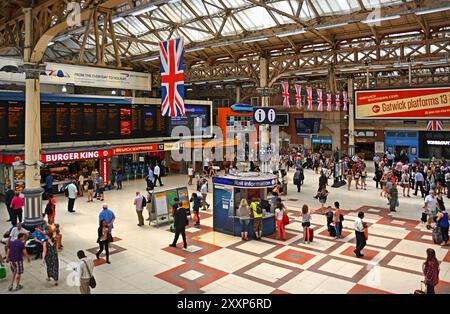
<point x="264" y="129"/>
<point x="351" y="119"/>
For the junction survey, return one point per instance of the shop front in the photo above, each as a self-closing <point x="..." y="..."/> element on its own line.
<point x="324" y="143"/>
<point x="368" y="143"/>
<point x="434" y="144"/>
<point x="396" y="141"/>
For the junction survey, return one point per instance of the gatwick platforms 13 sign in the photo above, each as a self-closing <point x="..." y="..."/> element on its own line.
<point x="406" y="103"/>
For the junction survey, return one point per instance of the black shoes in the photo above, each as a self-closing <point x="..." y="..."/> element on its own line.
<point x="172" y="245"/>
<point x="359" y="255"/>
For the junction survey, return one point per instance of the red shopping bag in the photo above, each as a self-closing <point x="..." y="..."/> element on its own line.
<point x="285" y="219"/>
<point x="195" y="217"/>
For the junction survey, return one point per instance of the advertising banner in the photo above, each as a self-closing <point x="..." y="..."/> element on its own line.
<point x="95" y="154"/>
<point x="407" y="103"/>
<point x="11" y="70"/>
<point x="223" y="208"/>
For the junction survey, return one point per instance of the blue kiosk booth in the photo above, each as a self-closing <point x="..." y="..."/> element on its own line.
<point x="229" y="190"/>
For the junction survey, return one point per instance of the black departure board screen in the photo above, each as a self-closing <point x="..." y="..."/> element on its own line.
<point x="3" y="122"/>
<point x="88" y="121"/>
<point x="75" y="119"/>
<point x="101" y="120"/>
<point x="16" y="120"/>
<point x="79" y="119"/>
<point x="48" y="120"/>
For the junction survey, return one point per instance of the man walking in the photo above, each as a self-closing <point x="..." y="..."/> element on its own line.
<point x="9" y="195"/>
<point x="196" y="204"/>
<point x="15" y="255"/>
<point x="71" y="193"/>
<point x="139" y="203"/>
<point x="86" y="271"/>
<point x="179" y="222"/>
<point x="157" y="174"/>
<point x="419" y="183"/>
<point x="204" y="191"/>
<point x="360" y="237"/>
<point x="108" y="216"/>
<point x="149" y="178"/>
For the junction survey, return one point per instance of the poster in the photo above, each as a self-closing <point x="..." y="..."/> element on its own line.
<point x="223" y="208"/>
<point x="160" y="203"/>
<point x="405" y="103"/>
<point x="379" y="147"/>
<point x="183" y="195"/>
<point x="170" y="197"/>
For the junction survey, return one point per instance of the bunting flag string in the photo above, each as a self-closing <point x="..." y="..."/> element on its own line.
<point x="309" y="98"/>
<point x="298" y="96"/>
<point x="338" y="102"/>
<point x="345" y="99"/>
<point x="285" y="93"/>
<point x="319" y="100"/>
<point x="329" y="102"/>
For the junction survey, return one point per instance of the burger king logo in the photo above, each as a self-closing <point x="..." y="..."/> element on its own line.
<point x="376" y="109"/>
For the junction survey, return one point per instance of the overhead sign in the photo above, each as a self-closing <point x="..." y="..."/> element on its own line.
<point x="46" y="158"/>
<point x="264" y="115"/>
<point x="438" y="143"/>
<point x="11" y="70"/>
<point x="138" y="149"/>
<point x="405" y="103"/>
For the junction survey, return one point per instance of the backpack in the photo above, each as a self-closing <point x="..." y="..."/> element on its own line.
<point x="48" y="209"/>
<point x="259" y="209"/>
<point x="144" y="201"/>
<point x="341" y="218"/>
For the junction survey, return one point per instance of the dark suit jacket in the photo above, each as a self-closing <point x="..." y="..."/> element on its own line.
<point x="180" y="218"/>
<point x="9" y="195"/>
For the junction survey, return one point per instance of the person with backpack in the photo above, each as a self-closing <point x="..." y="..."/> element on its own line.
<point x="196" y="204"/>
<point x="140" y="202"/>
<point x="442" y="222"/>
<point x="257" y="214"/>
<point x="298" y="178"/>
<point x="330" y="226"/>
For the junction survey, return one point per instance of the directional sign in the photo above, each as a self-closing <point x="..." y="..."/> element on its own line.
<point x="264" y="115"/>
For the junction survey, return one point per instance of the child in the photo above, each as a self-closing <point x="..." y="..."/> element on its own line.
<point x="306" y="218"/>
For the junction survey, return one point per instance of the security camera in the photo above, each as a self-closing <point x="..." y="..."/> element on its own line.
<point x="346" y="117"/>
<point x="17" y="163"/>
<point x="40" y="163"/>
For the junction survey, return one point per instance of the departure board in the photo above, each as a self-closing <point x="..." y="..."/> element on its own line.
<point x="113" y="120"/>
<point x="16" y="120"/>
<point x="75" y="120"/>
<point x="136" y="121"/>
<point x="3" y="121"/>
<point x="161" y="124"/>
<point x="62" y="120"/>
<point x="148" y="119"/>
<point x="125" y="122"/>
<point x="101" y="120"/>
<point x="48" y="119"/>
<point x="88" y="121"/>
<point x="197" y="118"/>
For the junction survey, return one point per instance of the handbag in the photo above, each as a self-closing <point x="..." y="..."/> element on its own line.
<point x="366" y="233"/>
<point x="195" y="217"/>
<point x="92" y="282"/>
<point x="285" y="219"/>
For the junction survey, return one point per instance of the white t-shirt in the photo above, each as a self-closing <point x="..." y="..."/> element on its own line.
<point x="190" y="171"/>
<point x="279" y="213"/>
<point x="72" y="190"/>
<point x="156" y="171"/>
<point x="431" y="203"/>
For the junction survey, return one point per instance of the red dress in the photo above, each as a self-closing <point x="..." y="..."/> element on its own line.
<point x="431" y="272"/>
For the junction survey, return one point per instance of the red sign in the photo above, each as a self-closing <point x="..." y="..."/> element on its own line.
<point x="138" y="149"/>
<point x="96" y="154"/>
<point x="406" y="103"/>
<point x="9" y="159"/>
<point x="104" y="170"/>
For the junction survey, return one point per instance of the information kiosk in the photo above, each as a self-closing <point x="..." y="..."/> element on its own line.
<point x="229" y="190"/>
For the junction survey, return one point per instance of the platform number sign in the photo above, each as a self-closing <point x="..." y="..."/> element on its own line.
<point x="264" y="115"/>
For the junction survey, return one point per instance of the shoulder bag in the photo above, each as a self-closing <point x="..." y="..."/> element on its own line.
<point x="92" y="282"/>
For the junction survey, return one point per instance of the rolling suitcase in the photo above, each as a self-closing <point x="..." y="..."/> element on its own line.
<point x="311" y="234"/>
<point x="436" y="235"/>
<point x="424" y="217"/>
<point x="420" y="291"/>
<point x="332" y="231"/>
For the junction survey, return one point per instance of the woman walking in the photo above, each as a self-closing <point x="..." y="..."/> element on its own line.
<point x="442" y="221"/>
<point x="405" y="182"/>
<point x="279" y="214"/>
<point x="90" y="188"/>
<point x="243" y="213"/>
<point x="322" y="195"/>
<point x="103" y="240"/>
<point x="431" y="271"/>
<point x="50" y="257"/>
<point x="306" y="224"/>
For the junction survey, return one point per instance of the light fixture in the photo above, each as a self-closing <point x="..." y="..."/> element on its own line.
<point x="117" y="19"/>
<point x="349" y="69"/>
<point x="291" y="33"/>
<point x="381" y="19"/>
<point x="50" y="43"/>
<point x="173" y="1"/>
<point x="304" y="73"/>
<point x="64" y="89"/>
<point x="113" y="92"/>
<point x="152" y="58"/>
<point x="331" y="26"/>
<point x="144" y="10"/>
<point x="432" y="10"/>
<point x="194" y="49"/>
<point x="252" y="40"/>
<point x="221" y="44"/>
<point x="436" y="62"/>
<point x="230" y="80"/>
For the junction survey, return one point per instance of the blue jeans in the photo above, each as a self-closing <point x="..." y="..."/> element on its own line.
<point x="337" y="226"/>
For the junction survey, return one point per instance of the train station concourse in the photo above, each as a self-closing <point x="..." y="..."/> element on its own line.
<point x="229" y="147"/>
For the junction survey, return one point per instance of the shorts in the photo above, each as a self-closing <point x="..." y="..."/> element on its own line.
<point x="257" y="224"/>
<point x="244" y="222"/>
<point x="17" y="267"/>
<point x="306" y="224"/>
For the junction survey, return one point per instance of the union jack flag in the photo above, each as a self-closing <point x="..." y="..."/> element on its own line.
<point x="345" y="99"/>
<point x="298" y="96"/>
<point x="338" y="102"/>
<point x="329" y="102"/>
<point x="309" y="98"/>
<point x="172" y="77"/>
<point x="285" y="93"/>
<point x="319" y="100"/>
<point x="435" y="125"/>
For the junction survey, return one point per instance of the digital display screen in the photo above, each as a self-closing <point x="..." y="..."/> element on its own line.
<point x="88" y="121"/>
<point x="76" y="116"/>
<point x="307" y="125"/>
<point x="197" y="117"/>
<point x="101" y="120"/>
<point x="62" y="120"/>
<point x="3" y="122"/>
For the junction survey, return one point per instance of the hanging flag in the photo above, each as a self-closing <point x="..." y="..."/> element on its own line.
<point x="435" y="125"/>
<point x="285" y="93"/>
<point x="345" y="99"/>
<point x="309" y="98"/>
<point x="338" y="102"/>
<point x="329" y="102"/>
<point x="298" y="96"/>
<point x="172" y="77"/>
<point x="319" y="100"/>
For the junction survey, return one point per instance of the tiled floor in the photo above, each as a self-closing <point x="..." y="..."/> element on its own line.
<point x="218" y="263"/>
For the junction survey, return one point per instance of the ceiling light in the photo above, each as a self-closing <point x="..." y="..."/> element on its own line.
<point x="144" y="10"/>
<point x="230" y="80"/>
<point x="151" y="58"/>
<point x="304" y="73"/>
<point x="113" y="92"/>
<point x="291" y="33"/>
<point x="220" y="44"/>
<point x="435" y="62"/>
<point x="173" y="1"/>
<point x="432" y="10"/>
<point x="64" y="89"/>
<point x="50" y="43"/>
<point x="117" y="19"/>
<point x="252" y="40"/>
<point x="350" y="69"/>
<point x="331" y="26"/>
<point x="195" y="49"/>
<point x="381" y="19"/>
